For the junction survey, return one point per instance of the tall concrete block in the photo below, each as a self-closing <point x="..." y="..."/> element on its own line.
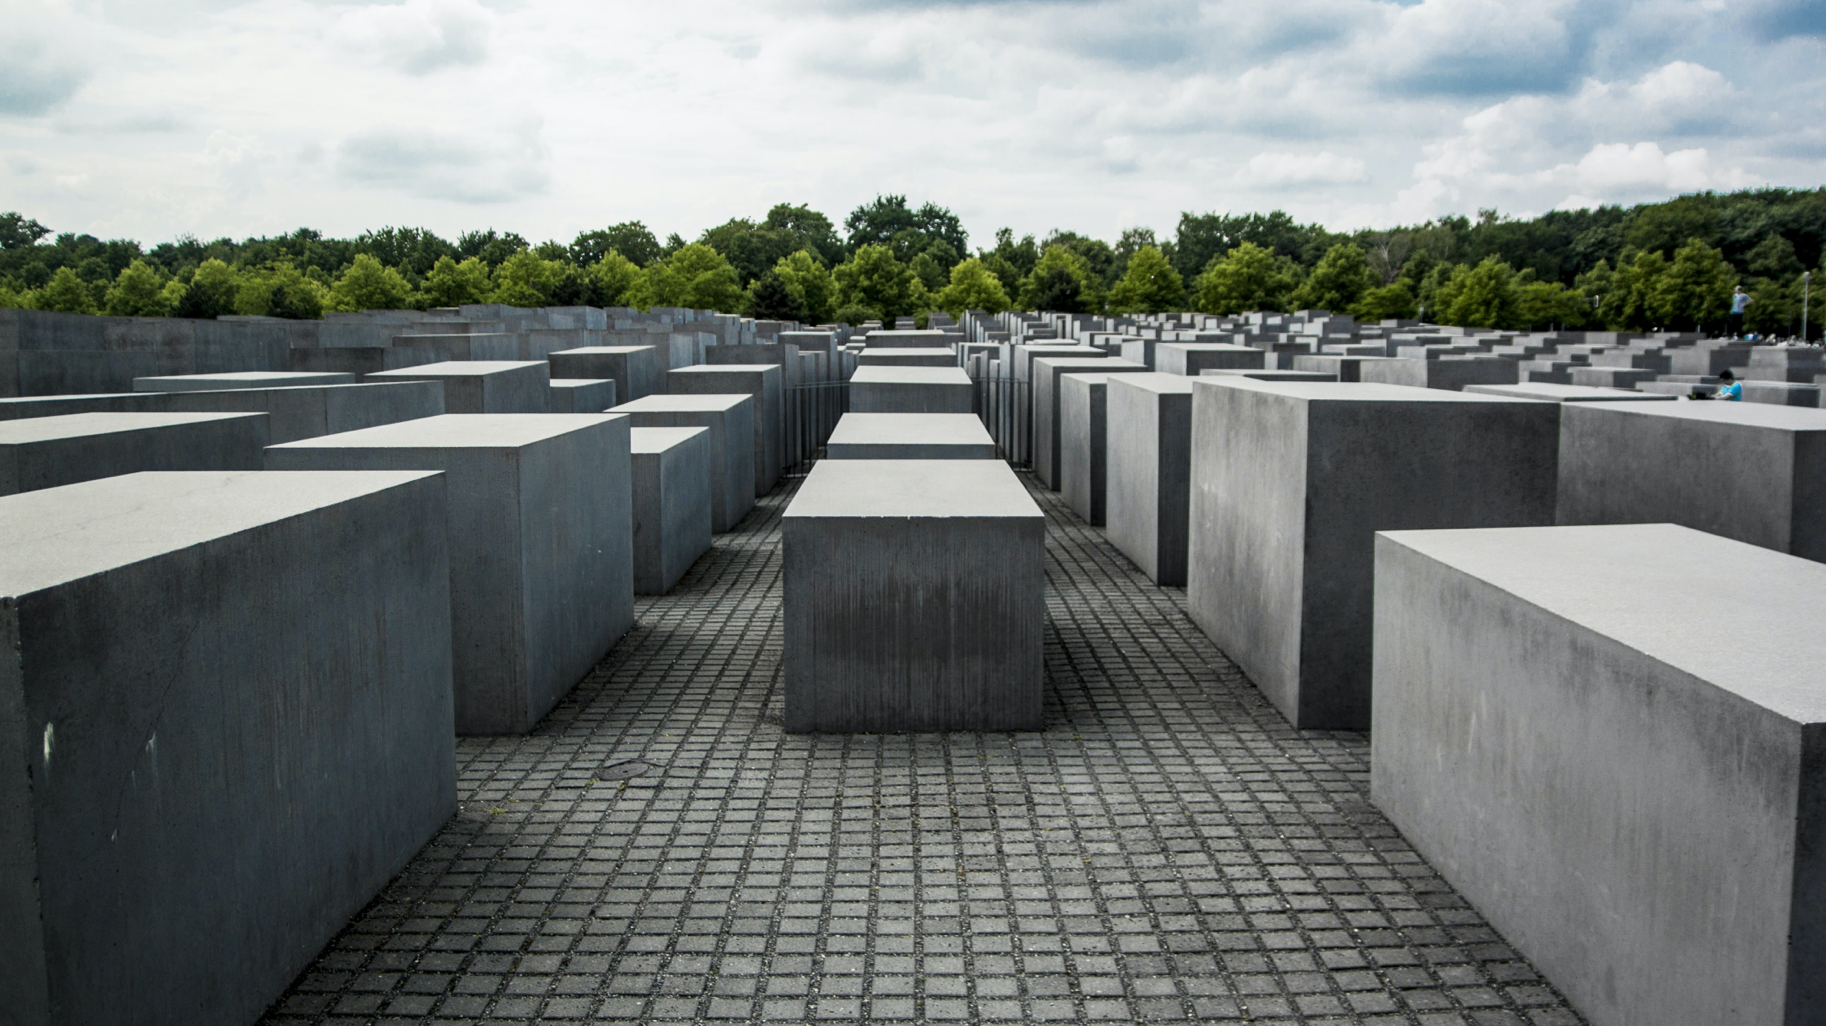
<point x="879" y="339"/>
<point x="1444" y="373"/>
<point x="638" y="371"/>
<point x="671" y="469"/>
<point x="911" y="390"/>
<point x="225" y="725"/>
<point x="1291" y="481"/>
<point x="238" y="379"/>
<point x="359" y="360"/>
<point x="484" y="386"/>
<point x="582" y="395"/>
<point x="1083" y="444"/>
<point x="913" y="598"/>
<point x="44" y="452"/>
<point x="309" y="411"/>
<point x="786" y="357"/>
<point x="763" y="384"/>
<point x="730" y="420"/>
<point x="890" y="357"/>
<point x="1187" y="359"/>
<point x="541" y="566"/>
<point x="1149" y="441"/>
<point x="1620" y="766"/>
<point x="1749" y="471"/>
<point x="910" y="436"/>
<point x="1045" y="372"/>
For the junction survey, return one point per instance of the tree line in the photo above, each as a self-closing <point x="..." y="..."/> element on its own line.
<point x="1666" y="265"/>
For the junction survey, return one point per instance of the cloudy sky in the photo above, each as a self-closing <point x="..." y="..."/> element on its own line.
<point x="150" y="118"/>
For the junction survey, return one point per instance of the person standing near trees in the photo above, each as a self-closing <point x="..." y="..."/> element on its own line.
<point x="1740" y="300"/>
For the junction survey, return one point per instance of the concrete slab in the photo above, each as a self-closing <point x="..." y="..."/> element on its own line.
<point x="1148" y="470"/>
<point x="1621" y="768"/>
<point x="911" y="390"/>
<point x="1750" y="471"/>
<point x="20" y="408"/>
<point x="1187" y="359"/>
<point x="1084" y="443"/>
<point x="1554" y="393"/>
<point x="907" y="357"/>
<point x="786" y="357"/>
<point x="541" y="570"/>
<point x="226" y="726"/>
<point x="1346" y="368"/>
<point x="730" y="419"/>
<point x="671" y="469"/>
<point x="238" y="379"/>
<point x="581" y="395"/>
<point x="484" y="386"/>
<point x="1289" y="484"/>
<point x="1271" y="375"/>
<point x="45" y="452"/>
<point x="638" y="371"/>
<point x="763" y="383"/>
<point x="910" y="436"/>
<point x="1443" y="373"/>
<point x="1045" y="372"/>
<point x="913" y="598"/>
<point x="879" y="339"/>
<point x="1781" y="393"/>
<point x="313" y="410"/>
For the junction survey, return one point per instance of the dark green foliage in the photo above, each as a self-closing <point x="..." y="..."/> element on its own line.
<point x="631" y="239"/>
<point x="576" y="286"/>
<point x="889" y="222"/>
<point x="770" y="300"/>
<point x="17" y="230"/>
<point x="491" y="247"/>
<point x="752" y="248"/>
<point x="1057" y="289"/>
<point x="413" y="251"/>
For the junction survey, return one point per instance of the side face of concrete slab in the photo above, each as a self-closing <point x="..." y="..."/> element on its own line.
<point x="903" y="339"/>
<point x="891" y="357"/>
<point x="638" y="371"/>
<point x="671" y="474"/>
<point x="582" y="395"/>
<point x="238" y="379"/>
<point x="1045" y="373"/>
<point x="296" y="412"/>
<point x="484" y="386"/>
<point x="1149" y="424"/>
<point x="1187" y="359"/>
<point x="1621" y="771"/>
<point x="910" y="436"/>
<point x="226" y="722"/>
<point x="1564" y="393"/>
<point x="63" y="405"/>
<point x="911" y="390"/>
<point x="730" y="419"/>
<point x="1083" y="428"/>
<point x="761" y="382"/>
<point x="913" y="598"/>
<point x="45" y="452"/>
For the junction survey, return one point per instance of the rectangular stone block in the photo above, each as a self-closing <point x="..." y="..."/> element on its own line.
<point x="638" y="371"/>
<point x="1291" y="481"/>
<point x="1781" y="393"/>
<point x="1045" y="372"/>
<point x="541" y="570"/>
<point x="910" y="436"/>
<point x="358" y="360"/>
<point x="893" y="357"/>
<point x="312" y="410"/>
<point x="1187" y="359"/>
<point x="1347" y="368"/>
<point x="786" y="357"/>
<point x="484" y="386"/>
<point x="1270" y="375"/>
<point x="1020" y="358"/>
<point x="225" y="725"/>
<point x="913" y="598"/>
<point x="1443" y="373"/>
<point x="582" y="395"/>
<point x="1621" y="767"/>
<point x="763" y="384"/>
<point x="1149" y="441"/>
<point x="879" y="339"/>
<point x="61" y="405"/>
<point x="671" y="469"/>
<point x="730" y="420"/>
<point x="911" y="390"/>
<point x="238" y="379"/>
<point x="44" y="452"/>
<point x="1083" y="443"/>
<point x="1563" y="393"/>
<point x="1749" y="471"/>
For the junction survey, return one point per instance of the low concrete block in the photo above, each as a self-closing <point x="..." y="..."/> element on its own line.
<point x="1749" y="471"/>
<point x="62" y="405"/>
<point x="238" y="379"/>
<point x="541" y="570"/>
<point x="1291" y="481"/>
<point x="880" y="339"/>
<point x="1563" y="393"/>
<point x="1345" y="368"/>
<point x="913" y="598"/>
<point x="44" y="452"/>
<point x="225" y="727"/>
<point x="1443" y="373"/>
<point x="730" y="420"/>
<point x="1271" y="375"/>
<point x="786" y="357"/>
<point x="1781" y="393"/>
<point x="582" y="395"/>
<point x="1621" y="767"/>
<point x="358" y="360"/>
<point x="671" y="469"/>
<point x="1045" y="372"/>
<point x="761" y="382"/>
<point x="911" y="390"/>
<point x="1148" y="470"/>
<point x="899" y="357"/>
<point x="638" y="371"/>
<point x="1083" y="443"/>
<point x="484" y="386"/>
<point x="1187" y="359"/>
<point x="910" y="436"/>
<point x="313" y="410"/>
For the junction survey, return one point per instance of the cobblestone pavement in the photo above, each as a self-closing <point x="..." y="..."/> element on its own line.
<point x="1167" y="849"/>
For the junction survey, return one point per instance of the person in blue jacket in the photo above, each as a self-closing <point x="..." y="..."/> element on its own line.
<point x="1729" y="388"/>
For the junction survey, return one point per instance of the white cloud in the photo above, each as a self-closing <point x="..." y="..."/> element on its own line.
<point x="1284" y="170"/>
<point x="46" y="59"/>
<point x="418" y="36"/>
<point x="477" y="166"/>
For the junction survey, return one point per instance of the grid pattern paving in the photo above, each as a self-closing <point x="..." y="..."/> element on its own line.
<point x="660" y="851"/>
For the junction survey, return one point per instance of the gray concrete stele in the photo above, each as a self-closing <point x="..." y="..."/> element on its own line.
<point x="671" y="468"/>
<point x="1612" y="741"/>
<point x="910" y="436"/>
<point x="1563" y="393"/>
<point x="1447" y="374"/>
<point x="581" y="395"/>
<point x="911" y="390"/>
<point x="638" y="371"/>
<point x="44" y="452"/>
<point x="225" y="726"/>
<point x="238" y="379"/>
<point x="1045" y="372"/>
<point x="763" y="382"/>
<point x="1084" y="443"/>
<point x="295" y="412"/>
<point x="730" y="419"/>
<point x="1187" y="359"/>
<point x="484" y="386"/>
<point x="907" y="339"/>
<point x="1291" y="481"/>
<point x="913" y="598"/>
<point x="893" y="357"/>
<point x="541" y="569"/>
<point x="1149" y="440"/>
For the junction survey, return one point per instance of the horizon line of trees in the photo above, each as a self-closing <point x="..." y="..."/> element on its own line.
<point x="1661" y="265"/>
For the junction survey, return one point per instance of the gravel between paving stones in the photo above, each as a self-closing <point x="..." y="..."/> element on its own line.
<point x="1167" y="849"/>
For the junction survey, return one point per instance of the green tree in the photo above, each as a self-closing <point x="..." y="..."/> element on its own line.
<point x="874" y="279"/>
<point x="65" y="293"/>
<point x="770" y="300"/>
<point x="1061" y="282"/>
<point x="926" y="268"/>
<point x="1540" y="305"/>
<point x="632" y="239"/>
<point x="1695" y="290"/>
<point x="1150" y="285"/>
<point x="279" y="289"/>
<point x="138" y="292"/>
<point x="526" y="280"/>
<point x="1774" y="257"/>
<point x="14" y="299"/>
<point x="1775" y="309"/>
<point x="211" y="291"/>
<point x="367" y="284"/>
<point x="449" y="283"/>
<point x="1010" y="261"/>
<point x="20" y="232"/>
<point x="618" y="277"/>
<point x="1481" y="296"/>
<point x="1247" y="277"/>
<point x="807" y="277"/>
<point x="1630" y="302"/>
<point x="972" y="287"/>
<point x="888" y="221"/>
<point x="696" y="277"/>
<point x="1388" y="301"/>
<point x="1337" y="283"/>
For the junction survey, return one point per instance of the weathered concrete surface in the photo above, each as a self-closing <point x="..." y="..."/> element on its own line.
<point x="238" y="379"/>
<point x="1271" y="375"/>
<point x="922" y="339"/>
<point x="1346" y="368"/>
<point x="45" y="452"/>
<point x="897" y="357"/>
<point x="1449" y="374"/>
<point x="1149" y="445"/>
<point x="19" y="408"/>
<point x="786" y="357"/>
<point x="225" y="725"/>
<point x="763" y="383"/>
<point x="541" y="570"/>
<point x="1187" y="359"/>
<point x="671" y="468"/>
<point x="1045" y="372"/>
<point x="911" y="390"/>
<point x="358" y="360"/>
<point x="1020" y="358"/>
<point x="581" y="395"/>
<point x="1749" y="471"/>
<point x="638" y="371"/>
<point x="910" y="436"/>
<point x="484" y="386"/>
<point x="1620" y="766"/>
<point x="1291" y="481"/>
<point x="730" y="419"/>
<point x="312" y="410"/>
<point x="913" y="598"/>
<point x="1084" y="443"/>
<point x="1563" y="393"/>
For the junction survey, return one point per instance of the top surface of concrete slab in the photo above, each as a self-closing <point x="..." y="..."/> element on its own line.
<point x="706" y="402"/>
<point x="910" y="428"/>
<point x="457" y="368"/>
<point x="659" y="439"/>
<point x="1210" y="347"/>
<point x="457" y="431"/>
<point x="73" y="425"/>
<point x="1156" y="382"/>
<point x="910" y="351"/>
<point x="910" y="375"/>
<point x="1635" y="583"/>
<point x="1351" y="391"/>
<point x="725" y="368"/>
<point x="1760" y="415"/>
<point x="1565" y="393"/>
<point x="56" y="535"/>
<point x="239" y="379"/>
<point x="907" y="337"/>
<point x="600" y="350"/>
<point x="912" y="488"/>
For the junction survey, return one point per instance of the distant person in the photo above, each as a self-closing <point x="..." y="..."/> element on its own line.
<point x="1740" y="300"/>
<point x="1729" y="388"/>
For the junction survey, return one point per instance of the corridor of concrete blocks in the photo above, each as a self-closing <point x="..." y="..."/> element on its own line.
<point x="658" y="850"/>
